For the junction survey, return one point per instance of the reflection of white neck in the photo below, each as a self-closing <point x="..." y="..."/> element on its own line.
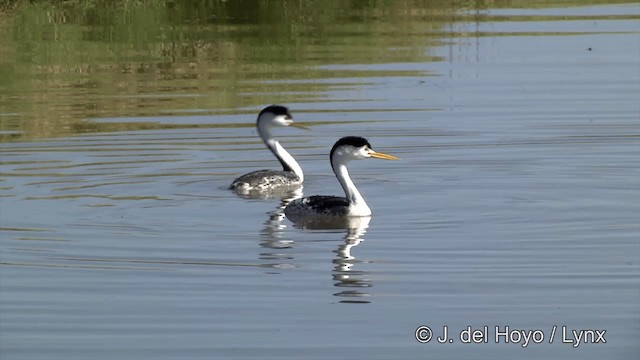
<point x="287" y="161"/>
<point x="357" y="228"/>
<point x="357" y="205"/>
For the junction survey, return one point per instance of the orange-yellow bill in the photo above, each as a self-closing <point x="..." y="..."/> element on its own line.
<point x="379" y="155"/>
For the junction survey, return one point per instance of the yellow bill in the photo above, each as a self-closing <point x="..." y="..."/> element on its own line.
<point x="379" y="155"/>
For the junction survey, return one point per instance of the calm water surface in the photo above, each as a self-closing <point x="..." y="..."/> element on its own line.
<point x="516" y="203"/>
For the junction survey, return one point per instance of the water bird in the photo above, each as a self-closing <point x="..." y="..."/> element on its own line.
<point x="291" y="173"/>
<point x="346" y="149"/>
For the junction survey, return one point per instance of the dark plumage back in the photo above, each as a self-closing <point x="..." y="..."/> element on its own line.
<point x="276" y="110"/>
<point x="355" y="141"/>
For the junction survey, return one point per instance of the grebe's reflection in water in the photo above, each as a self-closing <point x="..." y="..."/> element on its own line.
<point x="291" y="193"/>
<point x="344" y="274"/>
<point x="272" y="235"/>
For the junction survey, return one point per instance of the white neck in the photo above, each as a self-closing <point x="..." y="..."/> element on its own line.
<point x="357" y="205"/>
<point x="287" y="161"/>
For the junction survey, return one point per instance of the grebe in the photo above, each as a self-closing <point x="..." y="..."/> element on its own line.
<point x="346" y="149"/>
<point x="291" y="173"/>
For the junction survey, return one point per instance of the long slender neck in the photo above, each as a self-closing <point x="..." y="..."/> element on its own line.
<point x="287" y="161"/>
<point x="354" y="197"/>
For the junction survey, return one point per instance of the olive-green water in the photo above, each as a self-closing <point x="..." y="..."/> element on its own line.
<point x="516" y="202"/>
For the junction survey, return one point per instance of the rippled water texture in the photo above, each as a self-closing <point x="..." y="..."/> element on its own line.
<point x="516" y="201"/>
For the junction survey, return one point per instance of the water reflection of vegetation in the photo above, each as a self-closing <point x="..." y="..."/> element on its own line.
<point x="64" y="62"/>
